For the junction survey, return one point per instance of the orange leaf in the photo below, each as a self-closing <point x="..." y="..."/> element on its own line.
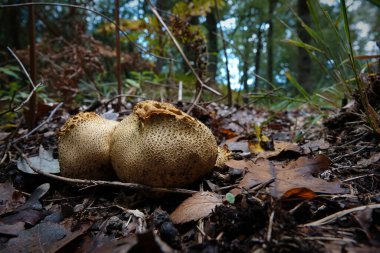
<point x="295" y="174"/>
<point x="303" y="193"/>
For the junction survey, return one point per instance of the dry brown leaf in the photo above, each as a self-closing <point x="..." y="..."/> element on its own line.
<point x="296" y="174"/>
<point x="10" y="198"/>
<point x="240" y="164"/>
<point x="313" y="146"/>
<point x="36" y="239"/>
<point x="280" y="147"/>
<point x="366" y="162"/>
<point x="196" y="207"/>
<point x="313" y="165"/>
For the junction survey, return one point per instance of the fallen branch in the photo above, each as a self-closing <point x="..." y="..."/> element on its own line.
<point x="337" y="215"/>
<point x="94" y="183"/>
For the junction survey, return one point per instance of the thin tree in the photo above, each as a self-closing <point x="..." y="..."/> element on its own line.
<point x="118" y="60"/>
<point x="304" y="60"/>
<point x="31" y="116"/>
<point x="229" y="91"/>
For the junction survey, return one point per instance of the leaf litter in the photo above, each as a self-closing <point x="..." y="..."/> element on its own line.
<point x="275" y="190"/>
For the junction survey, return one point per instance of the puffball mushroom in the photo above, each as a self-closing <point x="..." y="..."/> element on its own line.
<point x="84" y="146"/>
<point x="161" y="146"/>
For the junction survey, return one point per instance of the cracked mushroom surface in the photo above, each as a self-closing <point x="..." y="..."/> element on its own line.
<point x="84" y="146"/>
<point x="161" y="146"/>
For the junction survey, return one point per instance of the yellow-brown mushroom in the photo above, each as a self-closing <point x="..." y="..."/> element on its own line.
<point x="161" y="146"/>
<point x="84" y="146"/>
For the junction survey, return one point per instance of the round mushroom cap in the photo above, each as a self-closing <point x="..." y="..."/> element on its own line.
<point x="84" y="147"/>
<point x="161" y="146"/>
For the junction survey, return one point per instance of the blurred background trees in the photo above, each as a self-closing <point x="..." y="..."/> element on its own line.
<point x="277" y="50"/>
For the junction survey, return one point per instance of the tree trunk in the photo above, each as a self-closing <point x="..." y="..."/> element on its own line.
<point x="244" y="80"/>
<point x="271" y="7"/>
<point x="258" y="56"/>
<point x="10" y="29"/>
<point x="304" y="60"/>
<point x="163" y="5"/>
<point x="211" y="25"/>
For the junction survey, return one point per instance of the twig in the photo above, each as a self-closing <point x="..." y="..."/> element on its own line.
<point x="354" y="178"/>
<point x="40" y="125"/>
<point x="28" y="98"/>
<point x="133" y="186"/>
<point x="270" y="227"/>
<point x="349" y="154"/>
<point x="322" y="238"/>
<point x="142" y="49"/>
<point x="337" y="215"/>
<point x="22" y="66"/>
<point x="17" y="108"/>
<point x="262" y="185"/>
<point x="32" y="92"/>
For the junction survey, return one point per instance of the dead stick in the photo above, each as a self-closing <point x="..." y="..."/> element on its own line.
<point x="22" y="66"/>
<point x="337" y="215"/>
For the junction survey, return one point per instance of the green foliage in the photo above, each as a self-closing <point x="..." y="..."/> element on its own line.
<point x="230" y="198"/>
<point x="195" y="8"/>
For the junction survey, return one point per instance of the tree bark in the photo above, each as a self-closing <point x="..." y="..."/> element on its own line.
<point x="32" y="113"/>
<point x="211" y="25"/>
<point x="271" y="6"/>
<point x="259" y="47"/>
<point x="304" y="60"/>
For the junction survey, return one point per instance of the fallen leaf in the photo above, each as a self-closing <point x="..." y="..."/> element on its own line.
<point x="296" y="174"/>
<point x="239" y="164"/>
<point x="233" y="139"/>
<point x="239" y="146"/>
<point x="365" y="220"/>
<point x="316" y="164"/>
<point x="279" y="148"/>
<point x="258" y="172"/>
<point x="31" y="212"/>
<point x="37" y="239"/>
<point x="303" y="193"/>
<point x="196" y="207"/>
<point x="4" y="135"/>
<point x="10" y="198"/>
<point x="12" y="230"/>
<point x="314" y="146"/>
<point x="44" y="162"/>
<point x="366" y="162"/>
<point x="227" y="132"/>
<point x="58" y="245"/>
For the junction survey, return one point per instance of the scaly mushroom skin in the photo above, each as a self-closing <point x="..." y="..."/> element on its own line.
<point x="84" y="146"/>
<point x="161" y="146"/>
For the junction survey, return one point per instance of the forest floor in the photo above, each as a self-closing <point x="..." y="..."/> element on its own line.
<point x="299" y="183"/>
